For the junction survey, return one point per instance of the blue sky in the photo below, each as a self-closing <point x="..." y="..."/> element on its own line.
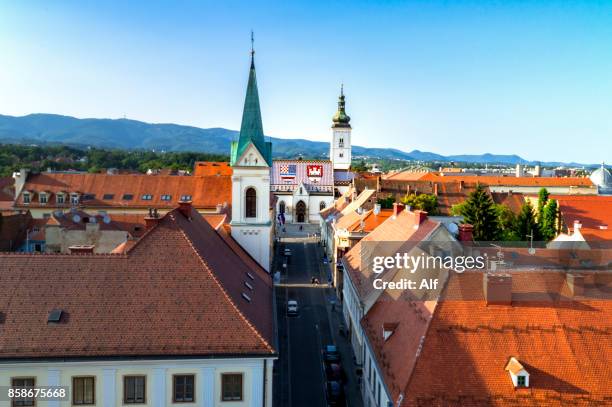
<point x="452" y="77"/>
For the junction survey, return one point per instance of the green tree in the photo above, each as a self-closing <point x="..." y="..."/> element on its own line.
<point x="424" y="202"/>
<point x="386" y="203"/>
<point x="507" y="221"/>
<point x="548" y="221"/>
<point x="526" y="224"/>
<point x="542" y="199"/>
<point x="359" y="166"/>
<point x="479" y="211"/>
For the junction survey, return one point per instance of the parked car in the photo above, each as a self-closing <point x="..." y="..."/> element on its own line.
<point x="335" y="394"/>
<point x="287" y="252"/>
<point x="292" y="308"/>
<point x="331" y="354"/>
<point x="333" y="372"/>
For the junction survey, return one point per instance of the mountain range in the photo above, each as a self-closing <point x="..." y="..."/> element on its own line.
<point x="131" y="134"/>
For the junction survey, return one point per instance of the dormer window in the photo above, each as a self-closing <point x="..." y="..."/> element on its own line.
<point x="147" y="197"/>
<point x="43" y="198"/>
<point x="60" y="198"/>
<point x="518" y="374"/>
<point x="27" y="198"/>
<point x="74" y="199"/>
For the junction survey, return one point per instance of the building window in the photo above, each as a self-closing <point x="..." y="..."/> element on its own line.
<point x="147" y="197"/>
<point x="128" y="197"/>
<point x="321" y="205"/>
<point x="42" y="198"/>
<point x="83" y="390"/>
<point x="74" y="199"/>
<point x="108" y="197"/>
<point x="185" y="198"/>
<point x="134" y="389"/>
<point x="88" y="197"/>
<point x="166" y="197"/>
<point x="341" y="142"/>
<point x="26" y="198"/>
<point x="341" y="155"/>
<point x="281" y="207"/>
<point x="59" y="198"/>
<point x="21" y="382"/>
<point x="521" y="381"/>
<point x="184" y="388"/>
<point x="251" y="203"/>
<point x="231" y="387"/>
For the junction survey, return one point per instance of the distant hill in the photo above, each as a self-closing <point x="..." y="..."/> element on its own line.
<point x="132" y="134"/>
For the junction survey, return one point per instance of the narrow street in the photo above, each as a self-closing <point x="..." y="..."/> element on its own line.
<point x="299" y="374"/>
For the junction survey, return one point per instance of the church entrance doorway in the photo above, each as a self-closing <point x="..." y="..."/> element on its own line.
<point x="300" y="211"/>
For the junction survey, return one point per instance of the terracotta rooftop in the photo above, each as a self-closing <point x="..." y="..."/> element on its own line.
<point x="180" y="290"/>
<point x="514" y="201"/>
<point x="128" y="191"/>
<point x="7" y="192"/>
<point x="454" y="353"/>
<point x="492" y="180"/>
<point x="370" y="220"/>
<point x="397" y="233"/>
<point x="204" y="168"/>
<point x="593" y="211"/>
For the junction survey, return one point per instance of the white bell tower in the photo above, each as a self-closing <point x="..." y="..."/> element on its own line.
<point x="340" y="146"/>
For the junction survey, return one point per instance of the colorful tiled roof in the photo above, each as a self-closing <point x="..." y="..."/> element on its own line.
<point x="204" y="168"/>
<point x="300" y="175"/>
<point x="179" y="291"/>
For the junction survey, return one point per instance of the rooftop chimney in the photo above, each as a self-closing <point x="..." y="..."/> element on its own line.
<point x="497" y="288"/>
<point x="466" y="232"/>
<point x="575" y="282"/>
<point x="420" y="216"/>
<point x="461" y="185"/>
<point x="152" y="218"/>
<point x="82" y="249"/>
<point x="397" y="208"/>
<point x="185" y="208"/>
<point x="435" y="189"/>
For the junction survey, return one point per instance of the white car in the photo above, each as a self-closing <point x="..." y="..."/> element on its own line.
<point x="292" y="308"/>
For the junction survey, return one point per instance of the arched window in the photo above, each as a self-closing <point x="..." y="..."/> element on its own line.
<point x="281" y="207"/>
<point x="321" y="205"/>
<point x="251" y="203"/>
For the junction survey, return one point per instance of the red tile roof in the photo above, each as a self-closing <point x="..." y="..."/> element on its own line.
<point x="180" y="290"/>
<point x="370" y="221"/>
<point x="13" y="228"/>
<point x="205" y="191"/>
<point x="203" y="168"/>
<point x="398" y="233"/>
<point x="514" y="201"/>
<point x="593" y="211"/>
<point x="455" y="353"/>
<point x="492" y="180"/>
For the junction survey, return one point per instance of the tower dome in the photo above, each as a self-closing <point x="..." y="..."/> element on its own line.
<point x="601" y="177"/>
<point x="341" y="119"/>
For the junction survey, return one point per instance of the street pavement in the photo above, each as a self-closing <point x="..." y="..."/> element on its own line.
<point x="299" y="378"/>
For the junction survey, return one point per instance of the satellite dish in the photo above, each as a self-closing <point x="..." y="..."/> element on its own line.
<point x="58" y="214"/>
<point x="453" y="228"/>
<point x="106" y="219"/>
<point x="93" y="220"/>
<point x="76" y="218"/>
<point x="531" y="250"/>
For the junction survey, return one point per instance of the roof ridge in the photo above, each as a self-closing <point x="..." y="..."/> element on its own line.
<point x="224" y="291"/>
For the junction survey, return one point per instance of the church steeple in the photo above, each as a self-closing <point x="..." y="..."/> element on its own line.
<point x="251" y="129"/>
<point x="341" y="119"/>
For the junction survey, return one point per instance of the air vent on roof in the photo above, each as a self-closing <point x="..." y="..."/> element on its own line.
<point x="76" y="218"/>
<point x="250" y="276"/>
<point x="250" y="287"/>
<point x="106" y="219"/>
<point x="246" y="297"/>
<point x="55" y="316"/>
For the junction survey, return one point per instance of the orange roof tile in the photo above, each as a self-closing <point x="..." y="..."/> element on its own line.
<point x="203" y="168"/>
<point x="205" y="191"/>
<point x="593" y="211"/>
<point x="179" y="291"/>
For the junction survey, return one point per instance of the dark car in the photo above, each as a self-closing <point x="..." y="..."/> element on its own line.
<point x="333" y="372"/>
<point x="331" y="354"/>
<point x="335" y="394"/>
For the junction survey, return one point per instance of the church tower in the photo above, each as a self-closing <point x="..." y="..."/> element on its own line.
<point x="251" y="159"/>
<point x="340" y="146"/>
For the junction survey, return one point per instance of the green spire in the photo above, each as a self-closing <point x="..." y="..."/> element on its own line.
<point x="251" y="129"/>
<point x="341" y="119"/>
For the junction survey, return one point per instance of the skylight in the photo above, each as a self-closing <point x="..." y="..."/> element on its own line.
<point x="250" y="276"/>
<point x="246" y="297"/>
<point x="55" y="315"/>
<point x="250" y="287"/>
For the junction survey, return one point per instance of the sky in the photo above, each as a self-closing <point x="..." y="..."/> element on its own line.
<point x="451" y="77"/>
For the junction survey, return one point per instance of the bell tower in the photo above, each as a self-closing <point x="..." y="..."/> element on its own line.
<point x="251" y="160"/>
<point x="340" y="146"/>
